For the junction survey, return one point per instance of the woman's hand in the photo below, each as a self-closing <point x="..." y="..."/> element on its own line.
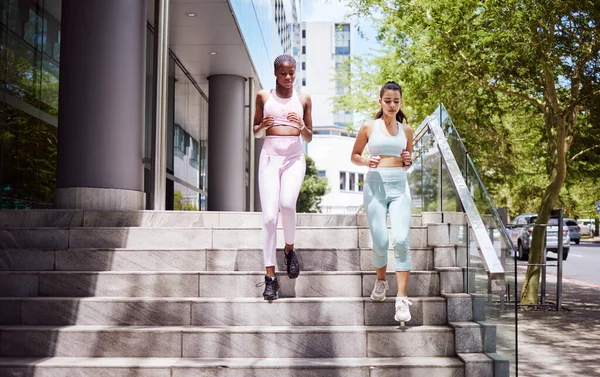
<point x="374" y="161"/>
<point x="406" y="157"/>
<point x="266" y="123"/>
<point x="293" y="117"/>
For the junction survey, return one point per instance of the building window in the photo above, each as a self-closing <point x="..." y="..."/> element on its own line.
<point x="351" y="181"/>
<point x="303" y="50"/>
<point x="304" y="66"/>
<point x="361" y="182"/>
<point x="303" y="82"/>
<point x="342" y="181"/>
<point x="303" y="33"/>
<point x="321" y="173"/>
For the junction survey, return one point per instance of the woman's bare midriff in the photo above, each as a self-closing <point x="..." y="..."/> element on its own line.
<point x="390" y="162"/>
<point x="283" y="131"/>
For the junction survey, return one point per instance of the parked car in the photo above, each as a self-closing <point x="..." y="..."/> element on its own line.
<point x="521" y="229"/>
<point x="574" y="230"/>
<point x="587" y="226"/>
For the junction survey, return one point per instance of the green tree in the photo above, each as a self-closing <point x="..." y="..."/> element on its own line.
<point x="313" y="189"/>
<point x="534" y="65"/>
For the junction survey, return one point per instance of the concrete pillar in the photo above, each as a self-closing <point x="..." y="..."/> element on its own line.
<point x="101" y="106"/>
<point x="226" y="147"/>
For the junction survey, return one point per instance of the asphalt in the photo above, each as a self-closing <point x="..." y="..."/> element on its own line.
<point x="562" y="343"/>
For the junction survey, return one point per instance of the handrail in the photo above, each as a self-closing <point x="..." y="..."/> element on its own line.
<point x="487" y="252"/>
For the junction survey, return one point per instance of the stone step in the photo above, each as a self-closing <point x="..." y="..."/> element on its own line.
<point x="204" y="284"/>
<point x="187" y="238"/>
<point x="321" y="259"/>
<point x="178" y="219"/>
<point x="218" y="311"/>
<point x="238" y="367"/>
<point x="225" y="342"/>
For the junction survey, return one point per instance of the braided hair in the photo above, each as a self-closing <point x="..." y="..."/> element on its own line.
<point x="283" y="59"/>
<point x="391" y="85"/>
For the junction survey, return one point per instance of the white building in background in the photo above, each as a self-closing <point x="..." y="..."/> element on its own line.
<point x="325" y="46"/>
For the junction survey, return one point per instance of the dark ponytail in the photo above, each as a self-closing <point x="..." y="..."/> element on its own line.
<point x="391" y="85"/>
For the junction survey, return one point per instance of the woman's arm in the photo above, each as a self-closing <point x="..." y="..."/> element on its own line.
<point x="359" y="146"/>
<point x="261" y="123"/>
<point x="407" y="153"/>
<point x="306" y="129"/>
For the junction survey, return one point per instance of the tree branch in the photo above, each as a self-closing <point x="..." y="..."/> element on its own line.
<point x="584" y="151"/>
<point x="513" y="93"/>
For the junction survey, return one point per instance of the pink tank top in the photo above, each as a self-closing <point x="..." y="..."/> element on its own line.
<point x="280" y="107"/>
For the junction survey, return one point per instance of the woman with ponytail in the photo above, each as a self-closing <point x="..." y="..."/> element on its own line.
<point x="390" y="143"/>
<point x="284" y="116"/>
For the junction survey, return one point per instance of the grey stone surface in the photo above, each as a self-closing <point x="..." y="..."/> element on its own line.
<point x="76" y="371"/>
<point x="479" y="303"/>
<point x="232" y="238"/>
<point x="89" y="341"/>
<point x="283" y="371"/>
<point x="501" y="365"/>
<point x="438" y="235"/>
<point x="417" y="341"/>
<point x="40" y="218"/>
<point x="40" y="238"/>
<point x="277" y="342"/>
<point x="140" y="238"/>
<point x="454" y="218"/>
<point x="109" y="284"/>
<point x="130" y="260"/>
<point x="310" y="259"/>
<point x="424" y="311"/>
<point x="99" y="199"/>
<point x="460" y="307"/>
<point x="451" y="280"/>
<point x="10" y="312"/>
<point x="477" y="365"/>
<point x="143" y="312"/>
<point x="162" y="219"/>
<point x="469" y="337"/>
<point x="325" y="220"/>
<point x="444" y="256"/>
<point x="431" y="218"/>
<point x="19" y="284"/>
<point x="420" y="283"/>
<point x="282" y="312"/>
<point x="309" y="284"/>
<point x="26" y="260"/>
<point x="488" y="334"/>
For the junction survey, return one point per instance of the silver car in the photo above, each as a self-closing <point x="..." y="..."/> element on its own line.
<point x="574" y="230"/>
<point x="521" y="229"/>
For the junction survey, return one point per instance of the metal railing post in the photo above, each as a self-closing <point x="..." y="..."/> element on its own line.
<point x="559" y="265"/>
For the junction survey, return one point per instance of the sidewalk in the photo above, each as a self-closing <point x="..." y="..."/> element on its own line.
<point x="566" y="343"/>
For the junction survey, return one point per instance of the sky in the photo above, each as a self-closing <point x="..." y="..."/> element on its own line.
<point x="335" y="11"/>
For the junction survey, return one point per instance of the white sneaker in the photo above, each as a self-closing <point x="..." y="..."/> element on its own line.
<point x="379" y="290"/>
<point x="402" y="310"/>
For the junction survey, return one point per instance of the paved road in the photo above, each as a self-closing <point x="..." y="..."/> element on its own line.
<point x="581" y="266"/>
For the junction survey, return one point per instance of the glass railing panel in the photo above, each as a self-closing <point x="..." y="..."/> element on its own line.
<point x="494" y="300"/>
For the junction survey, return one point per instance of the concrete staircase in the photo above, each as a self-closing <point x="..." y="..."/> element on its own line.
<point x="152" y="294"/>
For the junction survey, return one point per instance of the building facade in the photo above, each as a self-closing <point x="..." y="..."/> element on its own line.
<point x="326" y="47"/>
<point x="85" y="85"/>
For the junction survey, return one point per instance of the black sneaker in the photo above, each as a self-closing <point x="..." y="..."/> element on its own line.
<point x="271" y="288"/>
<point x="291" y="261"/>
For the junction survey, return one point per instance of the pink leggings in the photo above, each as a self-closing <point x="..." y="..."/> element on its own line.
<point x="280" y="176"/>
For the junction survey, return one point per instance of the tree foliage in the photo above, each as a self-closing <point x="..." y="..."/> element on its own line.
<point x="521" y="81"/>
<point x="313" y="189"/>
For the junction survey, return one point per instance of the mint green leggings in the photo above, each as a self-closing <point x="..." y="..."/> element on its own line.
<point x="386" y="189"/>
